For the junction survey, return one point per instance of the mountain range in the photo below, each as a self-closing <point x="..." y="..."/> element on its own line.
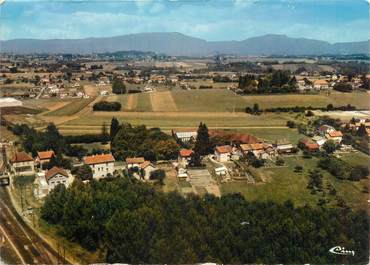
<point x="177" y="44"/>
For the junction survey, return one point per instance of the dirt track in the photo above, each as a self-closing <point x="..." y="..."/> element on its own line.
<point x="162" y="101"/>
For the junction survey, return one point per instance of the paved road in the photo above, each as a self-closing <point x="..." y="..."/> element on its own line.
<point x="29" y="247"/>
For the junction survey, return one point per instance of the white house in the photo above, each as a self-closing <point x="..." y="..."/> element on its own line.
<point x="321" y="84"/>
<point x="101" y="165"/>
<point x="23" y="164"/>
<point x="284" y="146"/>
<point x="45" y="182"/>
<point x="223" y="153"/>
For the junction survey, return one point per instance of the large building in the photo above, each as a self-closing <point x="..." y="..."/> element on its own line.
<point x="23" y="164"/>
<point x="101" y="165"/>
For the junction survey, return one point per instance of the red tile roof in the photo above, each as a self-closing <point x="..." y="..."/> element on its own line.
<point x="335" y="134"/>
<point x="186" y="152"/>
<point x="98" y="159"/>
<point x="45" y="155"/>
<point x="223" y="149"/>
<point x="135" y="160"/>
<point x="247" y="147"/>
<point x="21" y="157"/>
<point x="145" y="164"/>
<point x="53" y="171"/>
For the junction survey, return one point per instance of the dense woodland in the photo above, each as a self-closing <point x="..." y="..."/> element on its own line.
<point x="132" y="223"/>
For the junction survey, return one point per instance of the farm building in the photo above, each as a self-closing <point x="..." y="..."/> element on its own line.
<point x="223" y="153"/>
<point x="10" y="102"/>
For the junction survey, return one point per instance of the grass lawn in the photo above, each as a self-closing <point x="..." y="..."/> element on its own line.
<point x="273" y="134"/>
<point x="181" y="120"/>
<point x="211" y="100"/>
<point x="71" y="108"/>
<point x="143" y="102"/>
<point x="283" y="184"/>
<point x="118" y="98"/>
<point x="360" y="100"/>
<point x="357" y="158"/>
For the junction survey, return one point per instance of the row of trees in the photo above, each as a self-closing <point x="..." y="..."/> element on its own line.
<point x="132" y="223"/>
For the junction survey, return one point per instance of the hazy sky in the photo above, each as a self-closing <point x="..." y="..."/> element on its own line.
<point x="330" y="20"/>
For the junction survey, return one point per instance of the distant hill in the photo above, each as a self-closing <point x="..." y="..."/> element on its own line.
<point x="178" y="44"/>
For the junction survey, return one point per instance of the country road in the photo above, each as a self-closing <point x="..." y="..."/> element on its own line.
<point x="27" y="245"/>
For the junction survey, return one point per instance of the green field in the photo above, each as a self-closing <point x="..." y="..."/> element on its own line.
<point x="143" y="102"/>
<point x="71" y="108"/>
<point x="360" y="100"/>
<point x="208" y="100"/>
<point x="285" y="184"/>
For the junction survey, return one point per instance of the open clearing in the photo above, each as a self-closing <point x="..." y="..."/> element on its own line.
<point x="162" y="101"/>
<point x="71" y="108"/>
<point x="283" y="184"/>
<point x="131" y="102"/>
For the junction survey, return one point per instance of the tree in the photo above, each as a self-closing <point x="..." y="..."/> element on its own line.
<point x="84" y="172"/>
<point x="362" y="131"/>
<point x="114" y="128"/>
<point x="202" y="144"/>
<point x="195" y="160"/>
<point x="329" y="146"/>
<point x="118" y="87"/>
<point x="159" y="175"/>
<point x="256" y="108"/>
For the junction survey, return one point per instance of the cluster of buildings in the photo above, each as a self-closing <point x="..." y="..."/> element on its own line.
<point x="102" y="166"/>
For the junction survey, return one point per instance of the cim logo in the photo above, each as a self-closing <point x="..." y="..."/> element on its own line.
<point x="341" y="251"/>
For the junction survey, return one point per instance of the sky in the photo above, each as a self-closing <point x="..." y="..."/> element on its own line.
<point x="213" y="20"/>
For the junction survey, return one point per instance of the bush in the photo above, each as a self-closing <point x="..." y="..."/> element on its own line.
<point x="107" y="106"/>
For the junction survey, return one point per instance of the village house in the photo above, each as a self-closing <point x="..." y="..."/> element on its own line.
<point x="321" y="84"/>
<point x="283" y="146"/>
<point x="223" y="153"/>
<point x="101" y="165"/>
<point x="182" y="174"/>
<point x="134" y="161"/>
<point x="257" y="149"/>
<point x="184" y="156"/>
<point x="335" y="136"/>
<point x="44" y="157"/>
<point x="22" y="164"/>
<point x="147" y="168"/>
<point x="45" y="182"/>
<point x="308" y="144"/>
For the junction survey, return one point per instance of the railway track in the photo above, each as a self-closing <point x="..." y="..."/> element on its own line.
<point x="30" y="247"/>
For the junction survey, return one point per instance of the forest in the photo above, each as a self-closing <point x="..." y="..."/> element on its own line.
<point x="133" y="223"/>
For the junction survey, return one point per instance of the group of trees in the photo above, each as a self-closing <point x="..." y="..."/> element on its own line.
<point x="343" y="170"/>
<point x="278" y="81"/>
<point x="131" y="141"/>
<point x="343" y="87"/>
<point x="132" y="223"/>
<point x="107" y="106"/>
<point x="118" y="87"/>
